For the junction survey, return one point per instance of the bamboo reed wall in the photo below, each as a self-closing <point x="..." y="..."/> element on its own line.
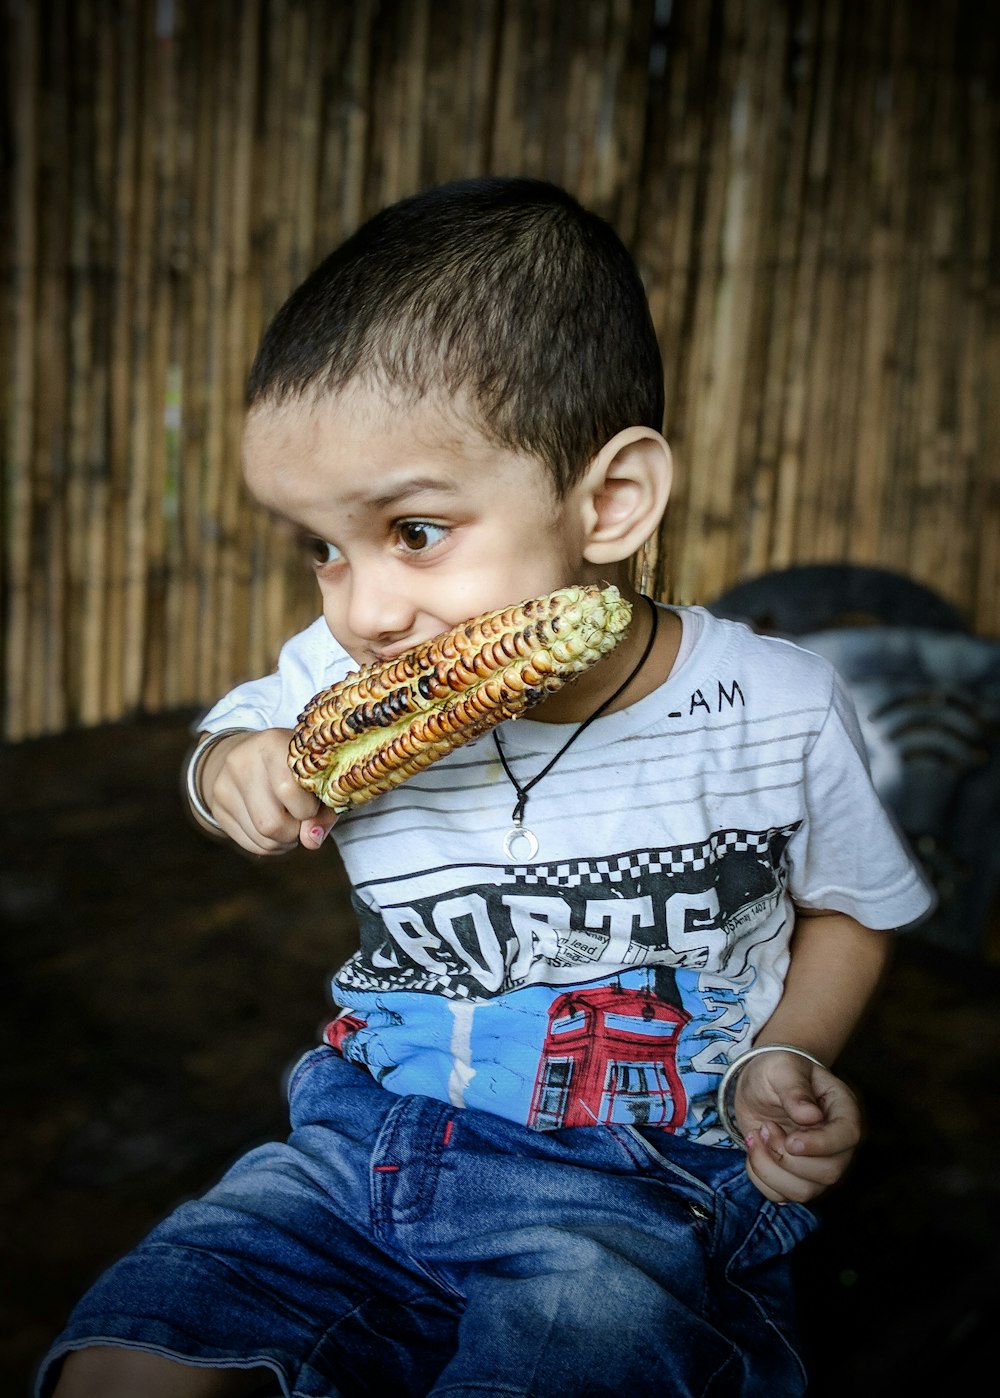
<point x="810" y="189"/>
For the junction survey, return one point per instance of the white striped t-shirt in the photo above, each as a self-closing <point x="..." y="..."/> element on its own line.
<point x="613" y="976"/>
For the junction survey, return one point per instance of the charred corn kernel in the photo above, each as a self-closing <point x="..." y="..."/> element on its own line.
<point x="382" y="724"/>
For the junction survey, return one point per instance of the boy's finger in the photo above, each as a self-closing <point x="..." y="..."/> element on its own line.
<point x="313" y="832"/>
<point x="764" y="1170"/>
<point x="783" y="1178"/>
<point x="802" y="1108"/>
<point x="831" y="1138"/>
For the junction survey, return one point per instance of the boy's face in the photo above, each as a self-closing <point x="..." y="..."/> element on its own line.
<point x="413" y="521"/>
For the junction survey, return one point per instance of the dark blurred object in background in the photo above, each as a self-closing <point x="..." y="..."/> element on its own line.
<point x="928" y="697"/>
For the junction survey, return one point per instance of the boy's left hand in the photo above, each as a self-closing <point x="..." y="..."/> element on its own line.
<point x="801" y="1125"/>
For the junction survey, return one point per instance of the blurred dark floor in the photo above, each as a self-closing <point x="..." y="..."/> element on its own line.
<point x="157" y="985"/>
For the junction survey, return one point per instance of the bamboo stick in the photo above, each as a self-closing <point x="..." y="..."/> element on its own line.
<point x="482" y="39"/>
<point x="154" y="672"/>
<point x="938" y="539"/>
<point x="444" y="89"/>
<point x="274" y="601"/>
<point x="197" y="463"/>
<point x="829" y="430"/>
<point x="651" y="240"/>
<point x="414" y="67"/>
<point x="237" y="353"/>
<point x="214" y="193"/>
<point x="905" y="440"/>
<point x="330" y="39"/>
<point x="629" y="104"/>
<point x="753" y="484"/>
<point x="398" y="102"/>
<point x="980" y="417"/>
<point x="185" y="609"/>
<point x="96" y="47"/>
<point x="139" y="471"/>
<point x="234" y="235"/>
<point x="219" y="546"/>
<point x="711" y="346"/>
<point x="118" y="94"/>
<point x="539" y="61"/>
<point x="791" y="460"/>
<point x="273" y="291"/>
<point x="508" y="137"/>
<point x="904" y="94"/>
<point x="167" y="671"/>
<point x="754" y="148"/>
<point x="571" y="108"/>
<point x="86" y="362"/>
<point x="47" y="677"/>
<point x="310" y="114"/>
<point x="677" y="135"/>
<point x="23" y="280"/>
<point x="875" y="345"/>
<point x="438" y="106"/>
<point x="358" y="123"/>
<point x="298" y="151"/>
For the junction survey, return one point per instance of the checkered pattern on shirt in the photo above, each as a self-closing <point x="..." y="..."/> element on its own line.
<point x="679" y="859"/>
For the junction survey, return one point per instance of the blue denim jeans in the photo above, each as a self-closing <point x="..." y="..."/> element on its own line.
<point x="398" y="1245"/>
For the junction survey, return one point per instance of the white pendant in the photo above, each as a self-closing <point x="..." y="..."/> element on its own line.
<point x="513" y="835"/>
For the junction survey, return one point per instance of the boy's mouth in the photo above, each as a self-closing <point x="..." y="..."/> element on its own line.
<point x="390" y="653"/>
<point x="382" y="724"/>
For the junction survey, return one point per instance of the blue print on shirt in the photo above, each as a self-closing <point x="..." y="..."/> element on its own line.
<point x="568" y="994"/>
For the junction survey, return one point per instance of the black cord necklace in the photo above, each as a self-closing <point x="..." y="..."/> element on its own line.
<point x="519" y="830"/>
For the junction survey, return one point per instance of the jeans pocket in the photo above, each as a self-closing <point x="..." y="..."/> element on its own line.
<point x="774" y="1232"/>
<point x="759" y="1269"/>
<point x="703" y="1169"/>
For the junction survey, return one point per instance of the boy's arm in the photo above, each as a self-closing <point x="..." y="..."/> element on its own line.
<point x="245" y="783"/>
<point x="835" y="969"/>
<point x="801" y="1122"/>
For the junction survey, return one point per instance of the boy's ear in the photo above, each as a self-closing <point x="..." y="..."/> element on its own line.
<point x="625" y="493"/>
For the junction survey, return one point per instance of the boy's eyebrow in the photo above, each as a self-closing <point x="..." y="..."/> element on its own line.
<point x="402" y="490"/>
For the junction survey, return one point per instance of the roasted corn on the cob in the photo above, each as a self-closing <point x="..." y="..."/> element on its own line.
<point x="385" y="722"/>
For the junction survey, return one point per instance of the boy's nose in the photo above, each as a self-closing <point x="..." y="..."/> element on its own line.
<point x="378" y="612"/>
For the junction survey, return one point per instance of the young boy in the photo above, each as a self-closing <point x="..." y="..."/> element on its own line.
<point x="508" y="1172"/>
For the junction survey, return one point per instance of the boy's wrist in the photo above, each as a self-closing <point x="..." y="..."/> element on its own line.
<point x="727" y="1084"/>
<point x="193" y="775"/>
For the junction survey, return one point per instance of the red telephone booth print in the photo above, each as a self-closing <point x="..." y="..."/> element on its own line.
<point x="610" y="1055"/>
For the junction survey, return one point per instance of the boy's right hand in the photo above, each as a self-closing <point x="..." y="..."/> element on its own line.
<point x="246" y="783"/>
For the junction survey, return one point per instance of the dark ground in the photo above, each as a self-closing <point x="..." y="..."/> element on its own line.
<point x="156" y="985"/>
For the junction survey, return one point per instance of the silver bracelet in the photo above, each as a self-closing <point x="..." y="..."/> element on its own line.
<point x="193" y="774"/>
<point x="722" y="1099"/>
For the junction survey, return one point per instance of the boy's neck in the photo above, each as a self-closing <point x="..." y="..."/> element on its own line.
<point x="578" y="700"/>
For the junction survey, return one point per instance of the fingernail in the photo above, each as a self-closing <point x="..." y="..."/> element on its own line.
<point x="765" y="1134"/>
<point x="318" y="834"/>
<point x="748" y="1141"/>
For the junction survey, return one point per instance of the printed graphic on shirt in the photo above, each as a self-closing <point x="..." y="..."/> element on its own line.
<point x="610" y="1054"/>
<point x="643" y="1047"/>
<point x="490" y="930"/>
<point x="597" y="991"/>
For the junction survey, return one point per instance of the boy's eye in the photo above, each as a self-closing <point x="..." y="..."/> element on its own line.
<point x="416" y="535"/>
<point x="321" y="553"/>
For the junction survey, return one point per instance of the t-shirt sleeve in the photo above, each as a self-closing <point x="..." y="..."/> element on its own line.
<point x="850" y="855"/>
<point x="309" y="662"/>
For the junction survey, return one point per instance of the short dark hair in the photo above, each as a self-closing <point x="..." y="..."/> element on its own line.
<point x="506" y="288"/>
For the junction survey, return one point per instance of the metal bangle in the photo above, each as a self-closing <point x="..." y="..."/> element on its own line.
<point x="722" y="1099"/>
<point x="193" y="774"/>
